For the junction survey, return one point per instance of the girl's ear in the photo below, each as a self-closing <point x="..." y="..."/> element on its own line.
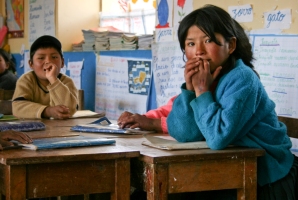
<point x="232" y="44"/>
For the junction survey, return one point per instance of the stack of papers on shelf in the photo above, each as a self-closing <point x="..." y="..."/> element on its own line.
<point x="78" y="46"/>
<point x="115" y="42"/>
<point x="145" y="41"/>
<point x="89" y="40"/>
<point x="104" y="125"/>
<point x="130" y="41"/>
<point x="65" y="142"/>
<point x="103" y="35"/>
<point x="169" y="143"/>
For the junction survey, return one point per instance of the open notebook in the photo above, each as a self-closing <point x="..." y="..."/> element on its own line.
<point x="169" y="143"/>
<point x="104" y="125"/>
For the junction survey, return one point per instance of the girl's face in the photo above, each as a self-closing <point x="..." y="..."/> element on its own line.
<point x="42" y="56"/>
<point x="198" y="44"/>
<point x="3" y="65"/>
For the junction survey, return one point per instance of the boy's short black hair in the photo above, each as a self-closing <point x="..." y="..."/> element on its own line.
<point x="44" y="42"/>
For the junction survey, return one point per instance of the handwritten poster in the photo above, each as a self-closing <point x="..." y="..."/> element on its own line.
<point x="122" y="84"/>
<point x="277" y="64"/>
<point x="75" y="70"/>
<point x="41" y="19"/>
<point x="168" y="71"/>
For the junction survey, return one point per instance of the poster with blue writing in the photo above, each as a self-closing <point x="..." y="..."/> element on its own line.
<point x="277" y="64"/>
<point x="41" y="19"/>
<point x="139" y="76"/>
<point x="168" y="70"/>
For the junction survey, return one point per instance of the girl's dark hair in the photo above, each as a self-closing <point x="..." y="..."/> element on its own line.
<point x="212" y="19"/>
<point x="8" y="59"/>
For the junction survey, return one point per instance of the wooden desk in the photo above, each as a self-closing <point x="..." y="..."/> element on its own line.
<point x="162" y="172"/>
<point x="85" y="170"/>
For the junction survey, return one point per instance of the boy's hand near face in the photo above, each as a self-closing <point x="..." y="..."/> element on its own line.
<point x="56" y="112"/>
<point x="51" y="71"/>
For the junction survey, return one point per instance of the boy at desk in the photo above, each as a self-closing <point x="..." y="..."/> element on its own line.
<point x="44" y="92"/>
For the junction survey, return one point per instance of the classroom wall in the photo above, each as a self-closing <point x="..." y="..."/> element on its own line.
<point x="74" y="15"/>
<point x="71" y="17"/>
<point x="259" y="7"/>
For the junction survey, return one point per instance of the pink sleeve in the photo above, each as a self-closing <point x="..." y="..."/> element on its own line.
<point x="162" y="112"/>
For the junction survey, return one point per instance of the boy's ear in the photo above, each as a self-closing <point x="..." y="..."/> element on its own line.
<point x="62" y="63"/>
<point x="232" y="44"/>
<point x="30" y="64"/>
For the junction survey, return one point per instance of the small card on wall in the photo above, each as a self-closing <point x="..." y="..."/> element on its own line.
<point x="164" y="35"/>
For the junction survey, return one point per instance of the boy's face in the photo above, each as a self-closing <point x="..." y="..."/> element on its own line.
<point x="3" y="65"/>
<point x="44" y="57"/>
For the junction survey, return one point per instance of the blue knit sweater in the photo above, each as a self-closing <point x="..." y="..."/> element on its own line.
<point x="239" y="113"/>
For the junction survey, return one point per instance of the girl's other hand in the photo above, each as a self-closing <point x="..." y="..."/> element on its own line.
<point x="191" y="68"/>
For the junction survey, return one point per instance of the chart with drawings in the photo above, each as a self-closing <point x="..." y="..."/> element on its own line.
<point x="139" y="76"/>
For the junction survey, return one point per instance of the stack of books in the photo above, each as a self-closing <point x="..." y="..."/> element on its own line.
<point x="101" y="41"/>
<point x="103" y="36"/>
<point x="89" y="40"/>
<point x="111" y="38"/>
<point x="130" y="41"/>
<point x="77" y="46"/>
<point x="145" y="41"/>
<point x="115" y="42"/>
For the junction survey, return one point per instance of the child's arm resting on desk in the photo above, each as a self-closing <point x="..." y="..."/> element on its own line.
<point x="162" y="112"/>
<point x="64" y="92"/>
<point x="8" y="135"/>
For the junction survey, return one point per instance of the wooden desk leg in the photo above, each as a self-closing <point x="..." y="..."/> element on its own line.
<point x="122" y="180"/>
<point x="15" y="181"/>
<point x="249" y="190"/>
<point x="157" y="181"/>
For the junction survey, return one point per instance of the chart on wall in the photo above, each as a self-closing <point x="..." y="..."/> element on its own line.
<point x="15" y="18"/>
<point x="139" y="76"/>
<point x="168" y="70"/>
<point x="41" y="19"/>
<point x="122" y="84"/>
<point x="277" y="64"/>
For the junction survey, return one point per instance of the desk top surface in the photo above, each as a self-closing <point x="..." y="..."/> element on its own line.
<point x="126" y="146"/>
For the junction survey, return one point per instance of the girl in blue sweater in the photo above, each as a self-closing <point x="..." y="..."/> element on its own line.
<point x="223" y="101"/>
